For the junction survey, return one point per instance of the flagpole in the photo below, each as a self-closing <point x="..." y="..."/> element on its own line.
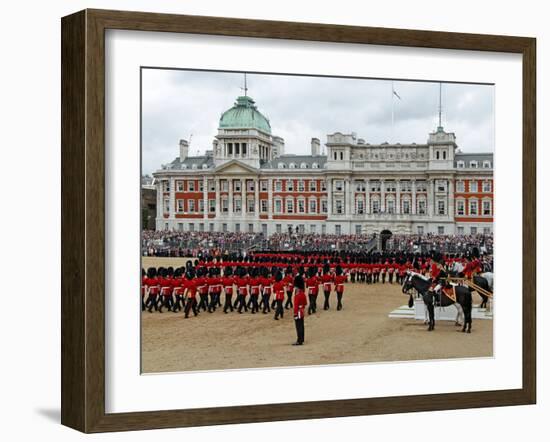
<point x="391" y="132"/>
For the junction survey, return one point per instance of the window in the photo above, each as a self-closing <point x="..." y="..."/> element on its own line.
<point x="486" y="164"/>
<point x="406" y="207"/>
<point x="301" y="206"/>
<point x="191" y="205"/>
<point x="243" y="145"/>
<point x="375" y="206"/>
<point x="263" y="206"/>
<point x="250" y="186"/>
<point x="486" y="208"/>
<point x="179" y="206"/>
<point x="225" y="187"/>
<point x="375" y="186"/>
<point x="341" y="156"/>
<point x="191" y="227"/>
<point x="324" y="206"/>
<point x="358" y="229"/>
<point x="441" y="207"/>
<point x="289" y="205"/>
<point x="278" y="186"/>
<point x="237" y="205"/>
<point x="460" y="207"/>
<point x="420" y="230"/>
<point x="166" y="186"/>
<point x="440" y="230"/>
<point x="460" y="230"/>
<point x="460" y="186"/>
<point x="359" y="186"/>
<point x="212" y="206"/>
<point x="421" y="186"/>
<point x="281" y="165"/>
<point x="301" y="228"/>
<point x="473" y="230"/>
<point x="250" y="203"/>
<point x="360" y="206"/>
<point x="486" y="186"/>
<point x="390" y="186"/>
<point x="405" y="186"/>
<point x="224" y="227"/>
<point x="263" y="185"/>
<point x="179" y="186"/>
<point x="211" y="186"/>
<point x="323" y="229"/>
<point x="237" y="185"/>
<point x="312" y="228"/>
<point x="301" y="186"/>
<point x="473" y="164"/>
<point x="201" y="206"/>
<point x="473" y="186"/>
<point x="338" y="229"/>
<point x="315" y="166"/>
<point x="211" y="227"/>
<point x="313" y="186"/>
<point x="441" y="185"/>
<point x="166" y="206"/>
<point x="237" y="227"/>
<point x="486" y="230"/>
<point x="278" y="228"/>
<point x="473" y="207"/>
<point x="201" y="185"/>
<point x="323" y="186"/>
<point x="201" y="227"/>
<point x="180" y="227"/>
<point x="339" y="205"/>
<point x="437" y="155"/>
<point x="335" y="155"/>
<point x="292" y="166"/>
<point x="289" y="185"/>
<point x="278" y="206"/>
<point x="225" y="205"/>
<point x="251" y="228"/>
<point x="312" y="206"/>
<point x="264" y="229"/>
<point x="421" y="207"/>
<point x="460" y="164"/>
<point x="390" y="207"/>
<point x="303" y="165"/>
<point x="338" y="185"/>
<point x="444" y="154"/>
<point x="190" y="186"/>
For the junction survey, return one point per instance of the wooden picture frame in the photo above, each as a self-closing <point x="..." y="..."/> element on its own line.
<point x="83" y="219"/>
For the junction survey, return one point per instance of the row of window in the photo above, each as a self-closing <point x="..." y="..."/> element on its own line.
<point x="473" y="186"/>
<point x="473" y="164"/>
<point x="474" y="208"/>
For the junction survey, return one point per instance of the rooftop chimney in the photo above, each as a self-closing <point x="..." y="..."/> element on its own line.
<point x="184" y="150"/>
<point x="315" y="147"/>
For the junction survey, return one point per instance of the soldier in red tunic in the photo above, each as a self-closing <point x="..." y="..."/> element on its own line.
<point x="312" y="284"/>
<point x="242" y="289"/>
<point x="300" y="302"/>
<point x="255" y="284"/>
<point x="279" y="291"/>
<point x="289" y="285"/>
<point x="190" y="284"/>
<point x="339" y="281"/>
<point x="166" y="289"/>
<point x="326" y="280"/>
<point x="227" y="282"/>
<point x="153" y="289"/>
<point x="266" y="282"/>
<point x="178" y="290"/>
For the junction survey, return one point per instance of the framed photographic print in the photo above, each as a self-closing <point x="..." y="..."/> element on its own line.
<point x="267" y="221"/>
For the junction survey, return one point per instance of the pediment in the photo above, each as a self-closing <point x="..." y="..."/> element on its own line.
<point x="236" y="167"/>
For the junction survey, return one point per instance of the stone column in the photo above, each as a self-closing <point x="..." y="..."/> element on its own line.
<point x="367" y="197"/>
<point x="270" y="198"/>
<point x="431" y="197"/>
<point x="329" y="196"/>
<point x="382" y="196"/>
<point x="218" y="199"/>
<point x="205" y="199"/>
<point x="451" y="199"/>
<point x="397" y="197"/>
<point x="172" y="207"/>
<point x="413" y="197"/>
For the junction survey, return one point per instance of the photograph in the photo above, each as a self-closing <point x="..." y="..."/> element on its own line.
<point x="307" y="220"/>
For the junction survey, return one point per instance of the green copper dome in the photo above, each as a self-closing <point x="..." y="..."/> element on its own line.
<point x="244" y="115"/>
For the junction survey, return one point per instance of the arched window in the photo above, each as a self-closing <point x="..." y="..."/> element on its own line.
<point x="184" y="166"/>
<point x="281" y="165"/>
<point x="314" y="166"/>
<point x="437" y="155"/>
<point x="303" y="166"/>
<point x="292" y="166"/>
<point x="205" y="166"/>
<point x="460" y="164"/>
<point x="486" y="164"/>
<point x="194" y="166"/>
<point x="473" y="164"/>
<point x="444" y="154"/>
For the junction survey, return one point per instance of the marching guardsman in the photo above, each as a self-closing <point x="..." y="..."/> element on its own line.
<point x="227" y="282"/>
<point x="153" y="289"/>
<point x="326" y="280"/>
<point x="190" y="284"/>
<point x="391" y="270"/>
<point x="255" y="284"/>
<point x="339" y="281"/>
<point x="353" y="274"/>
<point x="383" y="270"/>
<point x="266" y="282"/>
<point x="312" y="284"/>
<point x="279" y="291"/>
<point x="202" y="287"/>
<point x="289" y="286"/>
<point x="242" y="289"/>
<point x="300" y="303"/>
<point x="178" y="290"/>
<point x="166" y="290"/>
<point x="368" y="270"/>
<point x="143" y="288"/>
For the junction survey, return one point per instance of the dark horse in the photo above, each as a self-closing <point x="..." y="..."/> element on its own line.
<point x="431" y="298"/>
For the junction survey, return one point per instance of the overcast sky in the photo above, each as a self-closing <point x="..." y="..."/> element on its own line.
<point x="177" y="104"/>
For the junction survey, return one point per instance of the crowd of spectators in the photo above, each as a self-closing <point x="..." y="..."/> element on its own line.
<point x="441" y="243"/>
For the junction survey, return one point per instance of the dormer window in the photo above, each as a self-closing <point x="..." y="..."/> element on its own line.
<point x="281" y="165"/>
<point x="303" y="166"/>
<point x="205" y="166"/>
<point x="315" y="166"/>
<point x="473" y="164"/>
<point x="486" y="164"/>
<point x="194" y="166"/>
<point x="184" y="166"/>
<point x="460" y="164"/>
<point x="292" y="166"/>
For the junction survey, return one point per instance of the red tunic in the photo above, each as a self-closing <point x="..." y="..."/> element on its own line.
<point x="242" y="284"/>
<point x="228" y="285"/>
<point x="279" y="290"/>
<point x="312" y="285"/>
<point x="339" y="282"/>
<point x="300" y="302"/>
<point x="327" y="282"/>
